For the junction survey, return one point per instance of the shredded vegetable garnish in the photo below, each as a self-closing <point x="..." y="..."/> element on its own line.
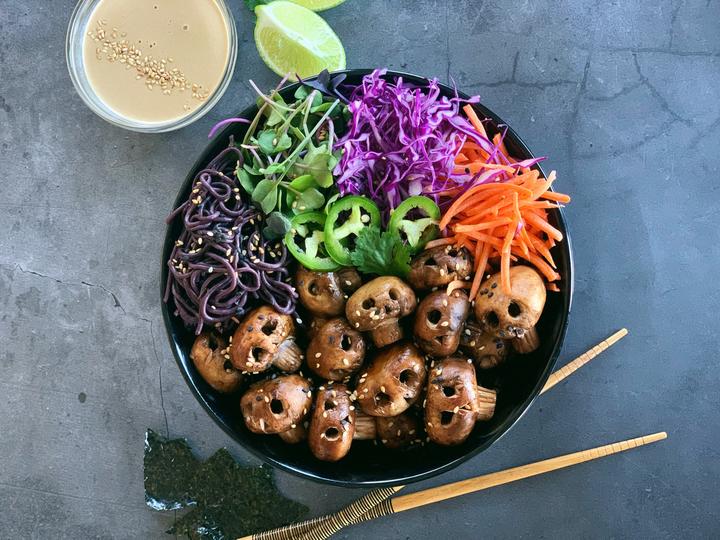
<point x="506" y="221"/>
<point x="402" y="140"/>
<point x="502" y="215"/>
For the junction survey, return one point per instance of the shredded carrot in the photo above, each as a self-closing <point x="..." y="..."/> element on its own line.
<point x="502" y="221"/>
<point x="497" y="141"/>
<point x="482" y="226"/>
<point x="482" y="252"/>
<point x="532" y="218"/>
<point x="474" y="120"/>
<point x="559" y="197"/>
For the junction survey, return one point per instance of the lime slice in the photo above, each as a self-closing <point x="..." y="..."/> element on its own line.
<point x="292" y="39"/>
<point x="318" y="5"/>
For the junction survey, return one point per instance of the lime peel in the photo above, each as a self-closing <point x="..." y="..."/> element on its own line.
<point x="292" y="39"/>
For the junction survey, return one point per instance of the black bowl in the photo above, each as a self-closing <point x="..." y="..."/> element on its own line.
<point x="518" y="381"/>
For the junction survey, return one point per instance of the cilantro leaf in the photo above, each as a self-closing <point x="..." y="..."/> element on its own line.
<point x="383" y="254"/>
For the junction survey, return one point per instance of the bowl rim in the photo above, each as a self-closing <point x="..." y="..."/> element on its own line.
<point x="499" y="432"/>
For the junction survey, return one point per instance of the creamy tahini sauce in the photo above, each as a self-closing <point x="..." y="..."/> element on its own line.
<point x="156" y="60"/>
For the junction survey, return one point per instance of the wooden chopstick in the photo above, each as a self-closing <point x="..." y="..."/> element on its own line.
<point x="304" y="529"/>
<point x="479" y="483"/>
<point x="571" y="367"/>
<point x="327" y="528"/>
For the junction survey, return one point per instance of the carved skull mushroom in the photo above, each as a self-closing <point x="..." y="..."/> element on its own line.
<point x="486" y="350"/>
<point x="377" y="307"/>
<point x="316" y="323"/>
<point x="324" y="294"/>
<point x="336" y="351"/>
<point x="276" y="405"/>
<point x="208" y="353"/>
<point x="439" y="266"/>
<point x="393" y="382"/>
<point x="513" y="315"/>
<point x="455" y="401"/>
<point x="439" y="321"/>
<point x="265" y="338"/>
<point x="333" y="423"/>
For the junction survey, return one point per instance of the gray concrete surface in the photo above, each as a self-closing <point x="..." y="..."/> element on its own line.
<point x="624" y="96"/>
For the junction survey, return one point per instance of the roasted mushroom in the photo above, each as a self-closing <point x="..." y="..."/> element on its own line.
<point x="316" y="323"/>
<point x="439" y="321"/>
<point x="294" y="435"/>
<point x="336" y="351"/>
<point x="333" y="423"/>
<point x="378" y="306"/>
<point x="276" y="405"/>
<point x="210" y="355"/>
<point x="392" y="431"/>
<point x="455" y="402"/>
<point x="528" y="342"/>
<point x="397" y="431"/>
<point x="439" y="266"/>
<point x="324" y="294"/>
<point x="264" y="338"/>
<point x="486" y="350"/>
<point x="511" y="315"/>
<point x="393" y="381"/>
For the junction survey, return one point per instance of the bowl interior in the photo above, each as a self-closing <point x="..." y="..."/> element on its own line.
<point x="518" y="381"/>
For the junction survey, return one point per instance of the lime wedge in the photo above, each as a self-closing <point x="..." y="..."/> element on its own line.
<point x="318" y="5"/>
<point x="292" y="39"/>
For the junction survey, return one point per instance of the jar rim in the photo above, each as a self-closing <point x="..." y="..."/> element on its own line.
<point x="77" y="28"/>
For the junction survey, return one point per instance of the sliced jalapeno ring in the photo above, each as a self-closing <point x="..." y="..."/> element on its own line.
<point x="306" y="242"/>
<point x="346" y="218"/>
<point x="416" y="221"/>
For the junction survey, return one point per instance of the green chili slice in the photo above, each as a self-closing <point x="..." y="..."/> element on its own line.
<point x="306" y="242"/>
<point x="346" y="218"/>
<point x="416" y="221"/>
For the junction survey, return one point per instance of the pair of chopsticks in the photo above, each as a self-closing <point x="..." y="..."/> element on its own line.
<point x="377" y="503"/>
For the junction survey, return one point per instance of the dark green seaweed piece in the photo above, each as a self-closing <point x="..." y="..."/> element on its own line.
<point x="229" y="501"/>
<point x="168" y="466"/>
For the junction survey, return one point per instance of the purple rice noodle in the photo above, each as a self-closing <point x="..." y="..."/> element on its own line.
<point x="221" y="265"/>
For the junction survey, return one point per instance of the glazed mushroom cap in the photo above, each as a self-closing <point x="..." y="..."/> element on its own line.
<point x="276" y="405"/>
<point x="208" y="353"/>
<point x="454" y="401"/>
<point x="332" y="425"/>
<point x="486" y="350"/>
<point x="397" y="431"/>
<point x="439" y="266"/>
<point x="264" y="338"/>
<point x="393" y="382"/>
<point x="336" y="351"/>
<point x="324" y="294"/>
<point x="511" y="315"/>
<point x="439" y="321"/>
<point x="316" y="323"/>
<point x="377" y="307"/>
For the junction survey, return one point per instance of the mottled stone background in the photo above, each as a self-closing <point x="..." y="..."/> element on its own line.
<point x="624" y="96"/>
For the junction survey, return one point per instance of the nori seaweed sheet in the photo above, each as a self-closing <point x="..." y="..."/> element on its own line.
<point x="228" y="501"/>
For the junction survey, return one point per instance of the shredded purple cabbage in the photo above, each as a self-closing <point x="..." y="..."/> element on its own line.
<point x="221" y="264"/>
<point x="403" y="140"/>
